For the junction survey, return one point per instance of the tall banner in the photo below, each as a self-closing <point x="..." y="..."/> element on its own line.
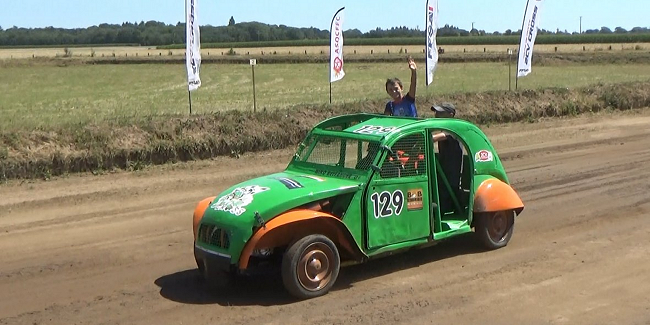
<point x="528" y="34"/>
<point x="431" y="33"/>
<point x="336" y="47"/>
<point x="192" y="45"/>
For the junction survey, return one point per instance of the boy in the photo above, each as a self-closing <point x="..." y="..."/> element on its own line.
<point x="402" y="105"/>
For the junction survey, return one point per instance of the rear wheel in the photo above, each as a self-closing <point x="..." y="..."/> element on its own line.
<point x="310" y="267"/>
<point x="494" y="229"/>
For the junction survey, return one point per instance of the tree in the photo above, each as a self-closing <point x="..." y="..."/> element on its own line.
<point x="231" y="22"/>
<point x="639" y="30"/>
<point x="620" y="30"/>
<point x="605" y="30"/>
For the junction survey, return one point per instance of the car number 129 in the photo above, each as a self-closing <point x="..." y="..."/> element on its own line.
<point x="386" y="204"/>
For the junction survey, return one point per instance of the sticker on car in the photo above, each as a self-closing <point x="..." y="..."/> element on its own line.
<point x="375" y="129"/>
<point x="414" y="199"/>
<point x="236" y="201"/>
<point x="386" y="204"/>
<point x="483" y="156"/>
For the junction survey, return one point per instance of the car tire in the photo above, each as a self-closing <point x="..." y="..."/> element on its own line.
<point x="494" y="229"/>
<point x="310" y="267"/>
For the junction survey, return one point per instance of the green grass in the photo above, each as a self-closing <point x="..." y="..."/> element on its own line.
<point x="47" y="96"/>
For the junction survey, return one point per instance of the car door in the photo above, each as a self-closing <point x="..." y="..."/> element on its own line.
<point x="397" y="204"/>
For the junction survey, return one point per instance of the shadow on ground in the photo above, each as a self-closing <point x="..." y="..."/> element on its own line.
<point x="188" y="287"/>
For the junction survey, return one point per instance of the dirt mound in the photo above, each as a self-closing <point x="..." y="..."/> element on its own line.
<point x="163" y="139"/>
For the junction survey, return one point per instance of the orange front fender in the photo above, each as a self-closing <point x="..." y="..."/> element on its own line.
<point x="494" y="195"/>
<point x="295" y="224"/>
<point x="199" y="211"/>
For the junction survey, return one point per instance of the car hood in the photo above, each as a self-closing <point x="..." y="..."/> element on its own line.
<point x="271" y="195"/>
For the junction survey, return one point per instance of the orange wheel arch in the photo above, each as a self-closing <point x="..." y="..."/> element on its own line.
<point x="293" y="225"/>
<point x="494" y="195"/>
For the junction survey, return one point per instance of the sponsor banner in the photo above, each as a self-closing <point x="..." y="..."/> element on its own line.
<point x="528" y="35"/>
<point x="431" y="33"/>
<point x="336" y="47"/>
<point x="192" y="45"/>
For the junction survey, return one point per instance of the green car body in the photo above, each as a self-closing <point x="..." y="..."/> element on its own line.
<point x="359" y="186"/>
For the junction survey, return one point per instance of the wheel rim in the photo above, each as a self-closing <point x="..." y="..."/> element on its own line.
<point x="314" y="268"/>
<point x="498" y="226"/>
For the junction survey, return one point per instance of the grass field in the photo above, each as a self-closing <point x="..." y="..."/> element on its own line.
<point x="50" y="96"/>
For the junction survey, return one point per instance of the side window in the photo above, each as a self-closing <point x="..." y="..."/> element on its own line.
<point x="408" y="159"/>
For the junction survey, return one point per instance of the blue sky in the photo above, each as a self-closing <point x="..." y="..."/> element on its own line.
<point x="362" y="14"/>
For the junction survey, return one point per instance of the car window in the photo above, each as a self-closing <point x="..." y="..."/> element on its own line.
<point x="339" y="152"/>
<point x="408" y="159"/>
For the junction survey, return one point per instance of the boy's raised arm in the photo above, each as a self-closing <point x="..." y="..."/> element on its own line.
<point x="414" y="78"/>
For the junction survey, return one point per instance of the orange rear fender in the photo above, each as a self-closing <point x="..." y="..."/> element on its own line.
<point x="494" y="195"/>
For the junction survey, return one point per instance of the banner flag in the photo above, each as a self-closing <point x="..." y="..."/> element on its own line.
<point x="336" y="47"/>
<point x="193" y="45"/>
<point x="431" y="34"/>
<point x="528" y="34"/>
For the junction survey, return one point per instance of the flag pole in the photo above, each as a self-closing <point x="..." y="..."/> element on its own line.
<point x="189" y="95"/>
<point x="330" y="90"/>
<point x="523" y="22"/>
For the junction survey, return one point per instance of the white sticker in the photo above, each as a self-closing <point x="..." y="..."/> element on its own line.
<point x="386" y="204"/>
<point x="238" y="199"/>
<point x="375" y="129"/>
<point x="483" y="156"/>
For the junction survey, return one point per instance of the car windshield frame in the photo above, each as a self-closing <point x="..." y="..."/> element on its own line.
<point x="338" y="152"/>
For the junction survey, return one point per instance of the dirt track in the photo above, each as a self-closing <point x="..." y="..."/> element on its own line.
<point x="117" y="248"/>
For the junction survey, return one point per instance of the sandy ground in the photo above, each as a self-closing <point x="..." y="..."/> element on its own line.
<point x="117" y="248"/>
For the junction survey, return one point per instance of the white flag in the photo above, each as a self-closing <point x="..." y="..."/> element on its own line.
<point x="192" y="46"/>
<point x="431" y="33"/>
<point x="336" y="47"/>
<point x="528" y="35"/>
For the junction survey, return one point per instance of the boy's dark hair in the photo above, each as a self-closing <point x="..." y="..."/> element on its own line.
<point x="394" y="81"/>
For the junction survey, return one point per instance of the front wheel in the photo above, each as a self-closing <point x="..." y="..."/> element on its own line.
<point x="495" y="229"/>
<point x="310" y="267"/>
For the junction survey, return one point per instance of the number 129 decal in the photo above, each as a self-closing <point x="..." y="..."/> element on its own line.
<point x="386" y="204"/>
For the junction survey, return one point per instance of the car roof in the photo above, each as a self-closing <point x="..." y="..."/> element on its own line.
<point x="377" y="127"/>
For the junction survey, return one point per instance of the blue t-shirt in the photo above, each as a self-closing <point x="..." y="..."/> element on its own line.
<point x="406" y="107"/>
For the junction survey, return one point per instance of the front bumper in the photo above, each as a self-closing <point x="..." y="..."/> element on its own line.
<point x="211" y="263"/>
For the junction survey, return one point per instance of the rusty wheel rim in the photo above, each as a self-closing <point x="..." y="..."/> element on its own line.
<point x="315" y="266"/>
<point x="498" y="226"/>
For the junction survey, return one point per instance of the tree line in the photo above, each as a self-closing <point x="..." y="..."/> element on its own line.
<point x="153" y="33"/>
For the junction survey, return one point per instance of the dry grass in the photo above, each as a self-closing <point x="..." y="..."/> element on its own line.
<point x="155" y="140"/>
<point x="142" y="51"/>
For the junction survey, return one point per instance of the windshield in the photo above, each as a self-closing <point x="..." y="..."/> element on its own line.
<point x="343" y="153"/>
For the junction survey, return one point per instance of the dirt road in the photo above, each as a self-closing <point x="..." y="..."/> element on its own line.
<point x="117" y="248"/>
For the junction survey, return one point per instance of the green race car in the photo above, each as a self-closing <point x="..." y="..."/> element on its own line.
<point x="360" y="186"/>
